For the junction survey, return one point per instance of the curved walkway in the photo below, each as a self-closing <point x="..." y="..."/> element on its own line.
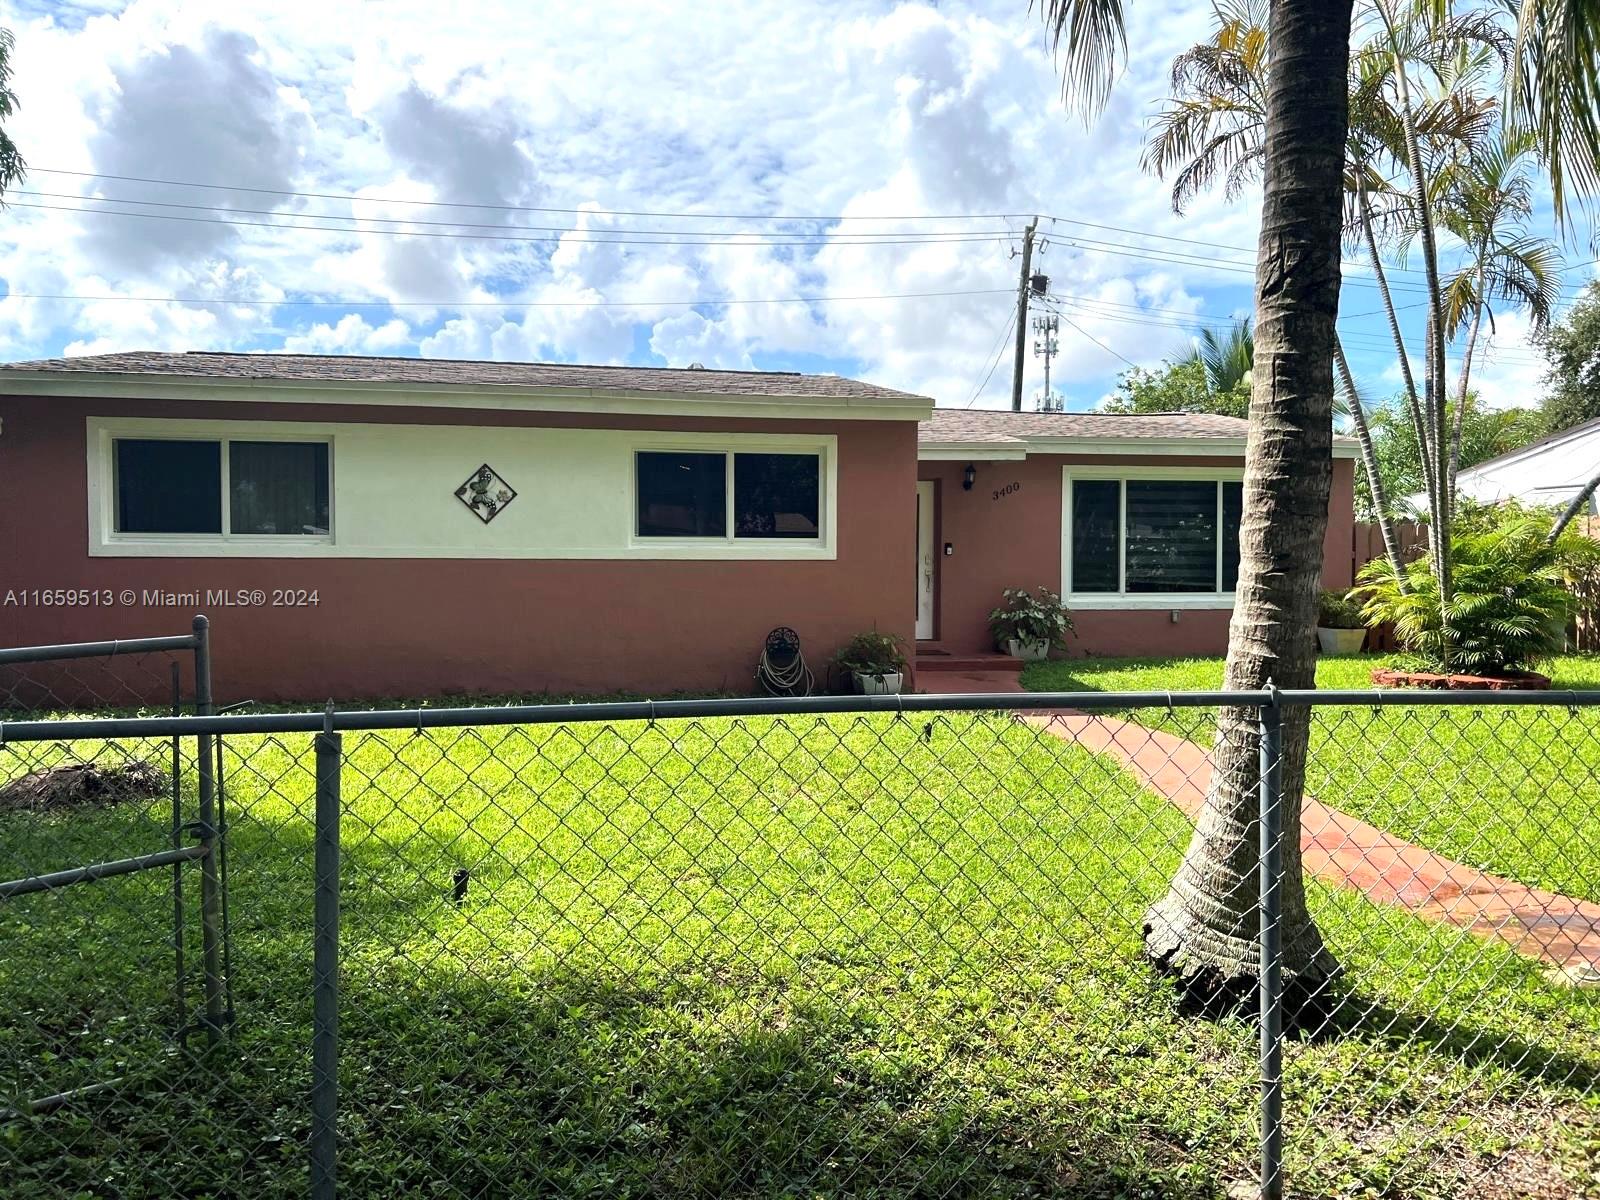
<point x="1343" y="850"/>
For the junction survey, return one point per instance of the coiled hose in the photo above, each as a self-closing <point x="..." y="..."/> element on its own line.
<point x="782" y="670"/>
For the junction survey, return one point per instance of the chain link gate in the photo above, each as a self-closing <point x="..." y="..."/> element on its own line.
<point x="886" y="947"/>
<point x="40" y="790"/>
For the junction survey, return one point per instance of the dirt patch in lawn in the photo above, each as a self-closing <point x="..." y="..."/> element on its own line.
<point x="82" y="785"/>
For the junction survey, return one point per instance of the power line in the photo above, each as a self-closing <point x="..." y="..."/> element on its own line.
<point x="1187" y="324"/>
<point x="845" y="240"/>
<point x="268" y="212"/>
<point x="1096" y="340"/>
<point x="1166" y="237"/>
<point x="771" y="217"/>
<point x="707" y="301"/>
<point x="999" y="353"/>
<point x="1376" y="344"/>
<point x="759" y="240"/>
<point x="668" y="238"/>
<point x="611" y="212"/>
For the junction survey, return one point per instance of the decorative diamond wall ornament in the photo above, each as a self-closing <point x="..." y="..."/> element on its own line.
<point x="486" y="494"/>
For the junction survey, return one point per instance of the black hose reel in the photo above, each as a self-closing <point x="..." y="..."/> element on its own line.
<point x="782" y="670"/>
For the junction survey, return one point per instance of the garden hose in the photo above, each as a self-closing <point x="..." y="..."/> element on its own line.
<point x="782" y="670"/>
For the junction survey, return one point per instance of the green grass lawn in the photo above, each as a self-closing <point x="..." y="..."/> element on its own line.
<point x="742" y="958"/>
<point x="1510" y="790"/>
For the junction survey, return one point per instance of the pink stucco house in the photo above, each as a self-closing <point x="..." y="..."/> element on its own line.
<point x="361" y="527"/>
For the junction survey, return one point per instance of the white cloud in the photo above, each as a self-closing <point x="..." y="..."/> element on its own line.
<point x="352" y="335"/>
<point x="762" y="107"/>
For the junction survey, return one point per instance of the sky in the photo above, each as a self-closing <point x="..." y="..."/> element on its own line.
<point x="784" y="186"/>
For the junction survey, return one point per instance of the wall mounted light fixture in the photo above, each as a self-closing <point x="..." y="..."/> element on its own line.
<point x="968" y="477"/>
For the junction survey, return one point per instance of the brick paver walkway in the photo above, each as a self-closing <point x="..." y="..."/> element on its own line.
<point x="1336" y="847"/>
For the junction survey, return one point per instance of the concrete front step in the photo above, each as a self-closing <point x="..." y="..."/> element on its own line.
<point x="939" y="661"/>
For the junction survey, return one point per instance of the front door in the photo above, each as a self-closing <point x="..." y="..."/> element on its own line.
<point x="925" y="560"/>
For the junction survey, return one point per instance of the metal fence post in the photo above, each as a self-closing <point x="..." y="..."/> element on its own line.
<point x="325" y="969"/>
<point x="1271" y="947"/>
<point x="206" y="828"/>
<point x="179" y="992"/>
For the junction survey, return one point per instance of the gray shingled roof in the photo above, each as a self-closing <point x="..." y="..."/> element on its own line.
<point x="959" y="426"/>
<point x="437" y="372"/>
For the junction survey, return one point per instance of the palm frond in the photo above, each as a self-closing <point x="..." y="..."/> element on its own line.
<point x="1089" y="38"/>
<point x="1555" y="92"/>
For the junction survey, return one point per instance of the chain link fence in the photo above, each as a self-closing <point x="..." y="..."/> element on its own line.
<point x="884" y="947"/>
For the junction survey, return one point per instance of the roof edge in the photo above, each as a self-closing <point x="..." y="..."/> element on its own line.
<point x="1544" y="443"/>
<point x="387" y="393"/>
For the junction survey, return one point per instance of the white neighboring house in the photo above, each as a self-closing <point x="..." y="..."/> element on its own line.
<point x="1549" y="473"/>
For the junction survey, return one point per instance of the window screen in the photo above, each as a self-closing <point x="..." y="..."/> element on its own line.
<point x="776" y="495"/>
<point x="1171" y="536"/>
<point x="278" y="487"/>
<point x="1095" y="516"/>
<point x="168" y="486"/>
<point x="681" y="495"/>
<point x="1232" y="515"/>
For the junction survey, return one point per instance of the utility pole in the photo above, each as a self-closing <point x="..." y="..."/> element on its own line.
<point x="1022" y="315"/>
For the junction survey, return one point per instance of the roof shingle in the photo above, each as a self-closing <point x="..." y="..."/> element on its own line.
<point x="963" y="425"/>
<point x="437" y="372"/>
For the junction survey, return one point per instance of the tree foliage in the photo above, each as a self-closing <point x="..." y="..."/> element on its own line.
<point x="1485" y="433"/>
<point x="1572" y="353"/>
<point x="12" y="166"/>
<point x="1510" y="600"/>
<point x="1180" y="386"/>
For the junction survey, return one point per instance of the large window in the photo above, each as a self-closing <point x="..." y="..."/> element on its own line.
<point x="727" y="494"/>
<point x="1175" y="536"/>
<point x="220" y="487"/>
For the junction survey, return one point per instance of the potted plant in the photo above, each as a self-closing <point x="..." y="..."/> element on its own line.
<point x="1028" y="625"/>
<point x="1341" y="629"/>
<point x="876" y="661"/>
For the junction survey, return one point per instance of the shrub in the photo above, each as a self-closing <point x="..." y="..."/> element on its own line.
<point x="1510" y="597"/>
<point x="1030" y="617"/>
<point x="873" y="654"/>
<point x="1336" y="610"/>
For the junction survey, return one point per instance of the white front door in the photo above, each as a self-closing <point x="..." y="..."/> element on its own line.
<point x="925" y="563"/>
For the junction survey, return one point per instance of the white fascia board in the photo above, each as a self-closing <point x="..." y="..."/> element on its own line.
<point x="94" y="385"/>
<point x="965" y="451"/>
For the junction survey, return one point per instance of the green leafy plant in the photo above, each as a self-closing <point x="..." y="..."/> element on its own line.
<point x="1509" y="601"/>
<point x="1025" y="616"/>
<point x="872" y="654"/>
<point x="1336" y="610"/>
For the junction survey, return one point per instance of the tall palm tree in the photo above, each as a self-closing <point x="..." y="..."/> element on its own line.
<point x="1203" y="931"/>
<point x="1485" y="201"/>
<point x="1214" y="126"/>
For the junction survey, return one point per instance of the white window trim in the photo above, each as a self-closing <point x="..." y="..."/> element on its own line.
<point x="824" y="546"/>
<point x="104" y="538"/>
<point x="1120" y="599"/>
<point x="105" y="543"/>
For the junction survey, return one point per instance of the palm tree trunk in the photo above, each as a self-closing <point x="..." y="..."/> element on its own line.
<point x="1203" y="931"/>
<point x="1414" y="406"/>
<point x="1579" y="503"/>
<point x="1369" y="463"/>
<point x="1461" y="399"/>
<point x="1435" y="448"/>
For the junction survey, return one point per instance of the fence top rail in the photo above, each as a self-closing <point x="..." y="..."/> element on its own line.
<point x="144" y="645"/>
<point x="64" y="729"/>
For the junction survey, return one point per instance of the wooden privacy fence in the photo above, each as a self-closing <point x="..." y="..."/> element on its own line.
<point x="1367" y="544"/>
<point x="1583" y="635"/>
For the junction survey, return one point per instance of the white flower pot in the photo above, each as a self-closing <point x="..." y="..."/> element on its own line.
<point x="1036" y="650"/>
<point x="1341" y="641"/>
<point x="887" y="684"/>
